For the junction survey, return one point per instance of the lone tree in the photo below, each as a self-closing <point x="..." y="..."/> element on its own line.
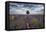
<point x="27" y="12"/>
<point x="27" y="20"/>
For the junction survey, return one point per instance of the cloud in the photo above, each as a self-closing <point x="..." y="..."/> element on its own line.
<point x="16" y="8"/>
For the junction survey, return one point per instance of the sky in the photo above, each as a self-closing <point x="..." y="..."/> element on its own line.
<point x="21" y="8"/>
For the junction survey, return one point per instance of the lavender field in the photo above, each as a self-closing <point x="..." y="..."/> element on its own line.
<point x="26" y="21"/>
